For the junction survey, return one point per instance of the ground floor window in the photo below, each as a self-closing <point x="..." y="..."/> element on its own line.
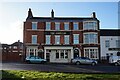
<point x="87" y="53"/>
<point x="61" y="54"/>
<point x="32" y="52"/>
<point x="57" y="54"/>
<point x="66" y="53"/>
<point x="91" y="53"/>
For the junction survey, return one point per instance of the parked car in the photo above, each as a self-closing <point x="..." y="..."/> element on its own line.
<point x="114" y="60"/>
<point x="83" y="60"/>
<point x="35" y="59"/>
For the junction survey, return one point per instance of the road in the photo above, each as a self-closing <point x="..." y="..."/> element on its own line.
<point x="62" y="68"/>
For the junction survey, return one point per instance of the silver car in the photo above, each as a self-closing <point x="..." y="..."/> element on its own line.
<point x="117" y="63"/>
<point x="83" y="60"/>
<point x="35" y="59"/>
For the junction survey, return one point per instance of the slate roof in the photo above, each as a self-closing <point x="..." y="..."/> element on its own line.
<point x="61" y="18"/>
<point x="109" y="32"/>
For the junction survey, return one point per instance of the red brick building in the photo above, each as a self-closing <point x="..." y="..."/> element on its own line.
<point x="12" y="52"/>
<point x="59" y="39"/>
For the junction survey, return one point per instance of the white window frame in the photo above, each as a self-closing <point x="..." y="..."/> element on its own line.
<point x="35" y="24"/>
<point x="35" y="51"/>
<point x="64" y="54"/>
<point x="95" y="48"/>
<point x="95" y="28"/>
<point x="118" y="43"/>
<point x="14" y="47"/>
<point x="89" y="40"/>
<point x="78" y="39"/>
<point x="56" y="38"/>
<point x="49" y="25"/>
<point x="47" y="39"/>
<point x="67" y="26"/>
<point x="32" y="39"/>
<point x="107" y="43"/>
<point x="68" y="39"/>
<point x="74" y="26"/>
<point x="57" y="26"/>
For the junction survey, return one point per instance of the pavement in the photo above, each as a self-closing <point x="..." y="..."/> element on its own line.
<point x="66" y="68"/>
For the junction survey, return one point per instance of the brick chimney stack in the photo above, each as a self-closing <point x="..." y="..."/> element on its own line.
<point x="52" y="14"/>
<point x="93" y="15"/>
<point x="29" y="13"/>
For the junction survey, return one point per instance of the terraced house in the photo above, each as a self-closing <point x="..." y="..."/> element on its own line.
<point x="59" y="39"/>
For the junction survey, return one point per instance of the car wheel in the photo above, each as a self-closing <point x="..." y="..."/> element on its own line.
<point x="116" y="64"/>
<point x="28" y="61"/>
<point x="43" y="62"/>
<point x="77" y="63"/>
<point x="93" y="63"/>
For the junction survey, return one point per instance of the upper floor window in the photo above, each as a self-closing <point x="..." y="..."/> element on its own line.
<point x="34" y="39"/>
<point x="90" y="38"/>
<point x="118" y="43"/>
<point x="107" y="43"/>
<point x="75" y="26"/>
<point x="15" y="47"/>
<point x="48" y="26"/>
<point x="34" y="25"/>
<point x="90" y="25"/>
<point x="57" y="26"/>
<point x="57" y="39"/>
<point x="10" y="47"/>
<point x="66" y="39"/>
<point x="76" y="38"/>
<point x="47" y="39"/>
<point x="5" y="48"/>
<point x="66" y="26"/>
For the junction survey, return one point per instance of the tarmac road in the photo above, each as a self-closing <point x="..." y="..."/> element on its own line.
<point x="71" y="68"/>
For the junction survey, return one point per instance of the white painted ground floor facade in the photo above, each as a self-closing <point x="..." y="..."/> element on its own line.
<point x="61" y="54"/>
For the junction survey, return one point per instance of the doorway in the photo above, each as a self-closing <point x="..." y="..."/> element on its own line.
<point x="48" y="57"/>
<point x="76" y="53"/>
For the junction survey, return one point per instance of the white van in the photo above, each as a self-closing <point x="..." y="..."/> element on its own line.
<point x="114" y="60"/>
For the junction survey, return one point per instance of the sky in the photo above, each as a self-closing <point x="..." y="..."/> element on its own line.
<point x="13" y="15"/>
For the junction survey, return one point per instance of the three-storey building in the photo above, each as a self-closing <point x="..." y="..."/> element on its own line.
<point x="59" y="39"/>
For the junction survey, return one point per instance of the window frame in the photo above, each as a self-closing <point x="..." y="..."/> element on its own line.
<point x="34" y="25"/>
<point x="75" y="28"/>
<point x="35" y="38"/>
<point x="74" y="40"/>
<point x="48" y="23"/>
<point x="56" y="26"/>
<point x="90" y="40"/>
<point x="56" y="39"/>
<point x="88" y="27"/>
<point x="49" y="36"/>
<point x="117" y="43"/>
<point x="66" y="27"/>
<point x="68" y="39"/>
<point x="107" y="43"/>
<point x="94" y="52"/>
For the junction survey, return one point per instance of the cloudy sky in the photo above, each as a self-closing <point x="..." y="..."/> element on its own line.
<point x="13" y="14"/>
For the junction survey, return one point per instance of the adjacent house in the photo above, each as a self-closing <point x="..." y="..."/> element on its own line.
<point x="109" y="42"/>
<point x="12" y="52"/>
<point x="59" y="39"/>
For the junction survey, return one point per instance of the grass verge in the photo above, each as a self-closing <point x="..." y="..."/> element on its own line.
<point x="37" y="75"/>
